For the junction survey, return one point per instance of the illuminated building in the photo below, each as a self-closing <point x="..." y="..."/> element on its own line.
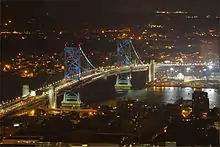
<point x="209" y="48"/>
<point x="186" y="112"/>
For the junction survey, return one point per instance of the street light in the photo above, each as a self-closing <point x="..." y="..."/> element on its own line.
<point x="210" y="66"/>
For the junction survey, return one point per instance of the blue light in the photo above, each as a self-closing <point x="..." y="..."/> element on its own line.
<point x="72" y="62"/>
<point x="126" y="53"/>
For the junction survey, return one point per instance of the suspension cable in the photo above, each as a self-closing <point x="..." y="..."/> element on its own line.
<point x="86" y="57"/>
<point x="136" y="53"/>
<point x="47" y="80"/>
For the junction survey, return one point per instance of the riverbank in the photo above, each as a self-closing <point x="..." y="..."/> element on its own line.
<point x="194" y="84"/>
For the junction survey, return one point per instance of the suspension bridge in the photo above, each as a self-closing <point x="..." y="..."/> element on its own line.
<point x="80" y="71"/>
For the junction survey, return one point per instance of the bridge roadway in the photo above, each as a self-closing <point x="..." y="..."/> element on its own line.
<point x="86" y="77"/>
<point x="23" y="105"/>
<point x="60" y="86"/>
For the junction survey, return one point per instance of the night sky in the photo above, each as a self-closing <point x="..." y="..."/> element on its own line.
<point x="70" y="13"/>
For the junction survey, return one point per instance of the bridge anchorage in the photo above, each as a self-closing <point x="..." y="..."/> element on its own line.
<point x="126" y="56"/>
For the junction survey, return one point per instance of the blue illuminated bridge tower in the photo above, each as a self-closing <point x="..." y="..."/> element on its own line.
<point x="76" y="63"/>
<point x="126" y="57"/>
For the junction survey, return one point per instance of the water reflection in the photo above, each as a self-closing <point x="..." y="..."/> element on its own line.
<point x="214" y="97"/>
<point x="165" y="95"/>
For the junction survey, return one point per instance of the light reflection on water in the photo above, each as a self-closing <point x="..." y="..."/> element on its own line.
<point x="165" y="95"/>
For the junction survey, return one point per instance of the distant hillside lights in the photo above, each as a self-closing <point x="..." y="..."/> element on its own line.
<point x="6" y="23"/>
<point x="14" y="32"/>
<point x="155" y="26"/>
<point x="169" y="47"/>
<point x="115" y="30"/>
<point x="62" y="67"/>
<point x="168" y="12"/>
<point x="7" y="67"/>
<point x="27" y="74"/>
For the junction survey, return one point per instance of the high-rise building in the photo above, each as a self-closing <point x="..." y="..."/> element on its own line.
<point x="210" y="48"/>
<point x="200" y="102"/>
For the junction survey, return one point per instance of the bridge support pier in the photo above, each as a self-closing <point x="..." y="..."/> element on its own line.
<point x="52" y="98"/>
<point x="151" y="71"/>
<point x="25" y="90"/>
<point x="105" y="77"/>
<point x="71" y="100"/>
<point x="123" y="82"/>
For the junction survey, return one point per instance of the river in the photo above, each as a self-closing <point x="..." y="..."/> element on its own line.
<point x="103" y="90"/>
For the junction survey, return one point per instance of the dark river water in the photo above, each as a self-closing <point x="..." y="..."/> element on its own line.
<point x="103" y="90"/>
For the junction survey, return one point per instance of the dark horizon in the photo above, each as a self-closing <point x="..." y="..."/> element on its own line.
<point x="67" y="14"/>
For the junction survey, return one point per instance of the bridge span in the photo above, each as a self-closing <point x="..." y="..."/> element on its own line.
<point x="75" y="75"/>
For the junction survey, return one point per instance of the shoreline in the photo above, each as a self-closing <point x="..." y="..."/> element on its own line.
<point x="183" y="85"/>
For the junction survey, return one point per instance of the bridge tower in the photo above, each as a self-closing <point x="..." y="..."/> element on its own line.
<point x="123" y="82"/>
<point x="25" y="90"/>
<point x="151" y="71"/>
<point x="52" y="98"/>
<point x="73" y="69"/>
<point x="127" y="56"/>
